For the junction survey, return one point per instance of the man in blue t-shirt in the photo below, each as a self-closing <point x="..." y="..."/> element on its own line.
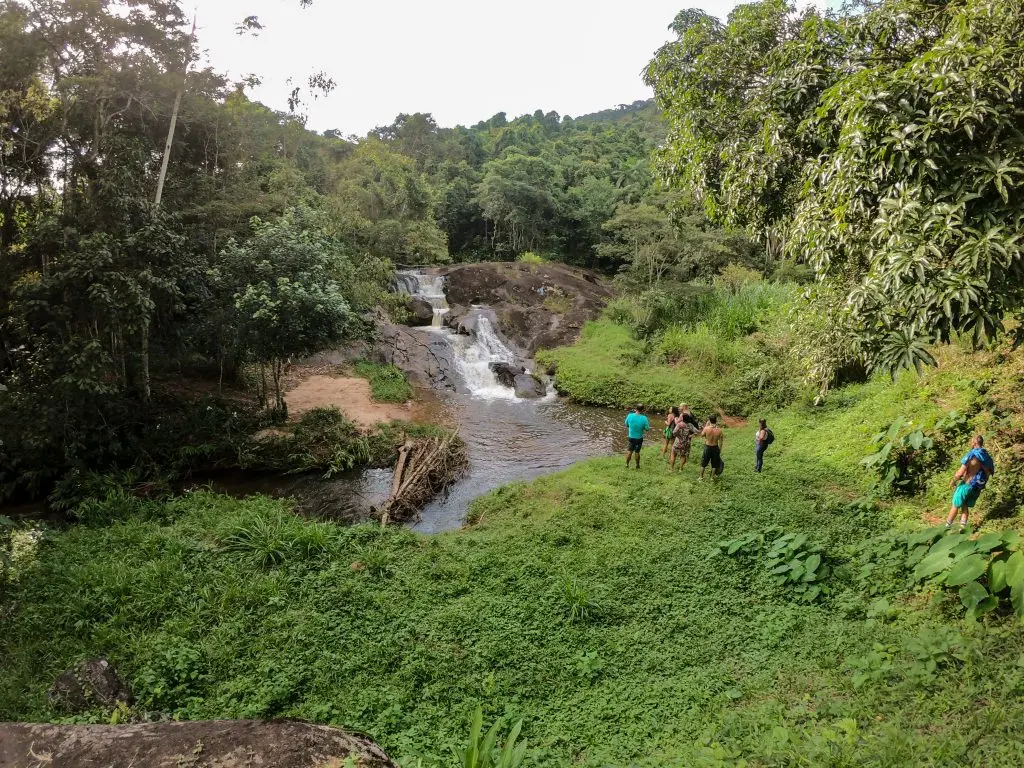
<point x="970" y="480"/>
<point x="638" y="425"/>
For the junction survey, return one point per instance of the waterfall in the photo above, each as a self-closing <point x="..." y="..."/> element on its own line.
<point x="473" y="354"/>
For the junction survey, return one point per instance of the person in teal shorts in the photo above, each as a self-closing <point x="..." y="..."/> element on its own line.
<point x="638" y="425"/>
<point x="970" y="480"/>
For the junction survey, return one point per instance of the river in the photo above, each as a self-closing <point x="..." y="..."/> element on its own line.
<point x="507" y="438"/>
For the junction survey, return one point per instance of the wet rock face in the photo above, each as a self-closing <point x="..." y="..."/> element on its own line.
<point x="91" y="684"/>
<point x="506" y="373"/>
<point x="527" y="386"/>
<point x="421" y="312"/>
<point x="537" y="306"/>
<point x="425" y="357"/>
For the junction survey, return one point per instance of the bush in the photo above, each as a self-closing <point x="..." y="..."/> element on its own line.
<point x="529" y="257"/>
<point x="699" y="345"/>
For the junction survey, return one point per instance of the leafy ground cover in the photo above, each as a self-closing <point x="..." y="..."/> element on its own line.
<point x="626" y="617"/>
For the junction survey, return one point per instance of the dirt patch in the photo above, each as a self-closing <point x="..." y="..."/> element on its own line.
<point x="224" y="744"/>
<point x="350" y="394"/>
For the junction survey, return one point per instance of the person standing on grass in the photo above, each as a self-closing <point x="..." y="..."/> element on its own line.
<point x="714" y="439"/>
<point x="638" y="426"/>
<point x="687" y="415"/>
<point x="760" y="444"/>
<point x="683" y="434"/>
<point x="970" y="480"/>
<point x="670" y="425"/>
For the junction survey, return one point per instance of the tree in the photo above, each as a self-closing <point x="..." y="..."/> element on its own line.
<point x="883" y="148"/>
<point x="288" y="302"/>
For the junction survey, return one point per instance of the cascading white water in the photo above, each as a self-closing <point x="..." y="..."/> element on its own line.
<point x="473" y="357"/>
<point x="473" y="354"/>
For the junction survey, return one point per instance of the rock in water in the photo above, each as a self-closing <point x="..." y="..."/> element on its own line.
<point x="506" y="373"/>
<point x="91" y="684"/>
<point x="529" y="387"/>
<point x="421" y="312"/>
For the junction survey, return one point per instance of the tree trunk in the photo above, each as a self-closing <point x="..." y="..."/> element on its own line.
<point x="144" y="361"/>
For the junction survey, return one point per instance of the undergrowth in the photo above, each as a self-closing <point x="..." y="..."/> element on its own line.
<point x="591" y="605"/>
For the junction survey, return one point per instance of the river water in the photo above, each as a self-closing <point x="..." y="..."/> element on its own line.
<point x="507" y="438"/>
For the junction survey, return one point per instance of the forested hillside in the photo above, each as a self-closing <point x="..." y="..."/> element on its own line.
<point x="262" y="226"/>
<point x="816" y="227"/>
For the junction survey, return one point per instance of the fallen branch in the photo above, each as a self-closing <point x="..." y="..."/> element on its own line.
<point x="426" y="466"/>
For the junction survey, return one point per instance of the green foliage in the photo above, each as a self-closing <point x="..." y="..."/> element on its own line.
<point x="529" y="257"/>
<point x="482" y="751"/>
<point x="887" y="161"/>
<point x="753" y="671"/>
<point x="983" y="570"/>
<point x="792" y="562"/>
<point x="901" y="458"/>
<point x="387" y="382"/>
<point x="322" y="439"/>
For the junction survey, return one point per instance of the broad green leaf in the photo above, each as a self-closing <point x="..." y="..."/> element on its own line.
<point x="934" y="563"/>
<point x="988" y="542"/>
<point x="946" y="543"/>
<point x="972" y="593"/>
<point x="988" y="604"/>
<point x="968" y="569"/>
<point x="1011" y="539"/>
<point x="1015" y="568"/>
<point x="812" y="562"/>
<point x="997" y="576"/>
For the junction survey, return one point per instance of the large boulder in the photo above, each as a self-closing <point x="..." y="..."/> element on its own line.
<point x="421" y="311"/>
<point x="90" y="684"/>
<point x="197" y="744"/>
<point x="529" y="387"/>
<point x="506" y="373"/>
<point x="537" y="306"/>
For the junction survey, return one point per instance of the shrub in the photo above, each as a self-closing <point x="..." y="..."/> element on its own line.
<point x="529" y="257"/>
<point x="699" y="345"/>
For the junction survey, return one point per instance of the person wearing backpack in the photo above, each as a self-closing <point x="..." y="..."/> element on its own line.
<point x="762" y="439"/>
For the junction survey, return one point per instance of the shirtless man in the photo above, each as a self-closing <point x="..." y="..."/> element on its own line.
<point x="970" y="480"/>
<point x="713" y="441"/>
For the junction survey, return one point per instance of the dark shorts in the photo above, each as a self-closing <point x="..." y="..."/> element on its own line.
<point x="712" y="455"/>
<point x="635" y="444"/>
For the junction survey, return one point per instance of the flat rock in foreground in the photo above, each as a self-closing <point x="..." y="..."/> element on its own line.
<point x="204" y="744"/>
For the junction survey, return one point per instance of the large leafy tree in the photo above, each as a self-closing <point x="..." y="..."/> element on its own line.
<point x="883" y="147"/>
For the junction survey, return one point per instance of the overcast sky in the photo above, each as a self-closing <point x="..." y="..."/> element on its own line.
<point x="461" y="60"/>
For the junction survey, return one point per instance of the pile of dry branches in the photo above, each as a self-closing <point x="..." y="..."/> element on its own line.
<point x="426" y="466"/>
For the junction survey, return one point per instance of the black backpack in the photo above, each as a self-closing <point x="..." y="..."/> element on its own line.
<point x="769" y="437"/>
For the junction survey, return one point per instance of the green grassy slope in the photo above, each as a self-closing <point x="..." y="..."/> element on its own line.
<point x="591" y="604"/>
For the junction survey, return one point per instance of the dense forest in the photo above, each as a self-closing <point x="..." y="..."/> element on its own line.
<point x="269" y="240"/>
<point x="817" y="221"/>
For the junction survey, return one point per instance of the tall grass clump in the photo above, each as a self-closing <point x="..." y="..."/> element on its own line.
<point x="387" y="382"/>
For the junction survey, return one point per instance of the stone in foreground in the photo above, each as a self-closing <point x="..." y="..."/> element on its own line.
<point x="205" y="744"/>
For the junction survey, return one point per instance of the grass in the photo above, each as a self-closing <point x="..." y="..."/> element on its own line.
<point x="387" y="382"/>
<point x="609" y="367"/>
<point x="590" y="604"/>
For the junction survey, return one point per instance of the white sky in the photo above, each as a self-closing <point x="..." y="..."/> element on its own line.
<point x="461" y="60"/>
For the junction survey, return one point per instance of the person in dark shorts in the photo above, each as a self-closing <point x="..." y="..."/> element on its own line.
<point x="638" y="425"/>
<point x="713" y="441"/>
